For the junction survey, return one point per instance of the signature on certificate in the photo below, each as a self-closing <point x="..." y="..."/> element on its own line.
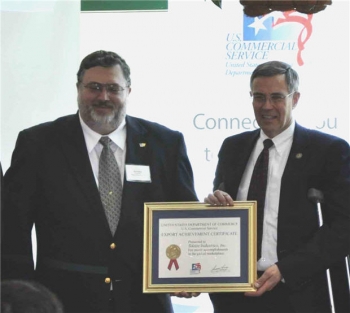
<point x="220" y="269"/>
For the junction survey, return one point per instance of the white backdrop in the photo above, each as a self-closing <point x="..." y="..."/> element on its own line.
<point x="180" y="70"/>
<point x="39" y="60"/>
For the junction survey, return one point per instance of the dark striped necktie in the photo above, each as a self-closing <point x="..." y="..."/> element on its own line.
<point x="257" y="189"/>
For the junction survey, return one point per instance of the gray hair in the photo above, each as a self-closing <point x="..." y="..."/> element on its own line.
<point x="273" y="68"/>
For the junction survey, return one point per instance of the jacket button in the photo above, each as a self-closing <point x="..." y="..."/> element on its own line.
<point x="112" y="246"/>
<point x="107" y="280"/>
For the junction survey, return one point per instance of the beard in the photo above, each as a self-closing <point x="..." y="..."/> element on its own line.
<point x="107" y="119"/>
<point x="102" y="123"/>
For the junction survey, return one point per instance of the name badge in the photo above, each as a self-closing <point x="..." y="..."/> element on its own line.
<point x="138" y="173"/>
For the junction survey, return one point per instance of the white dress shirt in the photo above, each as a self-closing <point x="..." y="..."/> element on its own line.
<point x="278" y="155"/>
<point x="94" y="148"/>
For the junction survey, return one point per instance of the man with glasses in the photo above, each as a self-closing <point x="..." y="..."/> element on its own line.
<point x="294" y="252"/>
<point x="89" y="221"/>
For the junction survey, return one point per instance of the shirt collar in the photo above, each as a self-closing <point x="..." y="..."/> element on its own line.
<point x="92" y="138"/>
<point x="281" y="139"/>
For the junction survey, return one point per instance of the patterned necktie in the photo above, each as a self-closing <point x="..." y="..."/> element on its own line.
<point x="110" y="184"/>
<point x="257" y="188"/>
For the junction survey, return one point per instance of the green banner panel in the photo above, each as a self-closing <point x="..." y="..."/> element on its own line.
<point x="115" y="5"/>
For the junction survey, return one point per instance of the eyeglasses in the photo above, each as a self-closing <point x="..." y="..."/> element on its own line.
<point x="274" y="98"/>
<point x="97" y="88"/>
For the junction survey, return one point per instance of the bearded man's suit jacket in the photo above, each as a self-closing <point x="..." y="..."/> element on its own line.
<point x="51" y="183"/>
<point x="304" y="250"/>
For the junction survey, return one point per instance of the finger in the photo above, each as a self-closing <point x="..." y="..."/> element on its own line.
<point x="257" y="293"/>
<point x="223" y="197"/>
<point x="177" y="294"/>
<point x="212" y="199"/>
<point x="261" y="281"/>
<point x="229" y="200"/>
<point x="188" y="296"/>
<point x="261" y="289"/>
<point x="184" y="294"/>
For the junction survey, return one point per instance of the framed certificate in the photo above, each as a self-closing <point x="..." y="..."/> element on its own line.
<point x="196" y="247"/>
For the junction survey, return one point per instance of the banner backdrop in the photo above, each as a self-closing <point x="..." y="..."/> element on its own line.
<point x="190" y="69"/>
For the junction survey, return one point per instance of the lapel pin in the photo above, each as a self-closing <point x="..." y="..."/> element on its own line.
<point x="142" y="144"/>
<point x="299" y="155"/>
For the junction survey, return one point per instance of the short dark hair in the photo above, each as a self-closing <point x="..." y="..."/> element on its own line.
<point x="20" y="296"/>
<point x="105" y="59"/>
<point x="273" y="68"/>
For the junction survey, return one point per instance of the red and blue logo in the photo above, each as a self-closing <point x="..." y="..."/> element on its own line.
<point x="279" y="27"/>
<point x="196" y="268"/>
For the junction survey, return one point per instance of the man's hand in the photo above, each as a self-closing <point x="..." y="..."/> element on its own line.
<point x="266" y="282"/>
<point x="219" y="198"/>
<point x="184" y="294"/>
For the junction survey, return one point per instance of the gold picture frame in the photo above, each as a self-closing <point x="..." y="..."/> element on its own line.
<point x="196" y="247"/>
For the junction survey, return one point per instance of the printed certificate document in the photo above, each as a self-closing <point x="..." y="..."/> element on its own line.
<point x="192" y="246"/>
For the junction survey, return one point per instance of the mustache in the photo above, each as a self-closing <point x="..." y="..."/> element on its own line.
<point x="103" y="104"/>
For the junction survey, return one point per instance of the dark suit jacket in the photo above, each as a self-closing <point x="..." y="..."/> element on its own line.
<point x="51" y="183"/>
<point x="305" y="251"/>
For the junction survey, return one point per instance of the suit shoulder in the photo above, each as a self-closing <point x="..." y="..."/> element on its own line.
<point x="154" y="128"/>
<point x="47" y="129"/>
<point x="240" y="139"/>
<point x="51" y="124"/>
<point x="319" y="138"/>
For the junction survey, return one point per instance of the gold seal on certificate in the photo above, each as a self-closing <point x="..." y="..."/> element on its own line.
<point x="173" y="252"/>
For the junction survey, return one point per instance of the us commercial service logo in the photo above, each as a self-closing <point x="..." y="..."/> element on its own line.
<point x="278" y="35"/>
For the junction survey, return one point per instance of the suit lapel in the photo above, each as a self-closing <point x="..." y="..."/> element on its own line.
<point x="299" y="151"/>
<point x="136" y="154"/>
<point x="239" y="161"/>
<point x="295" y="168"/>
<point x="137" y="144"/>
<point x="298" y="155"/>
<point x="71" y="138"/>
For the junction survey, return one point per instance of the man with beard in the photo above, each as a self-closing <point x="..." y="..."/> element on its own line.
<point x="89" y="248"/>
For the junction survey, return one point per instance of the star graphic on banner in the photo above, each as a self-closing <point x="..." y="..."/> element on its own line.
<point x="277" y="15"/>
<point x="258" y="24"/>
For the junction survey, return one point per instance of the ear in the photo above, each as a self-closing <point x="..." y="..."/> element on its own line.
<point x="296" y="97"/>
